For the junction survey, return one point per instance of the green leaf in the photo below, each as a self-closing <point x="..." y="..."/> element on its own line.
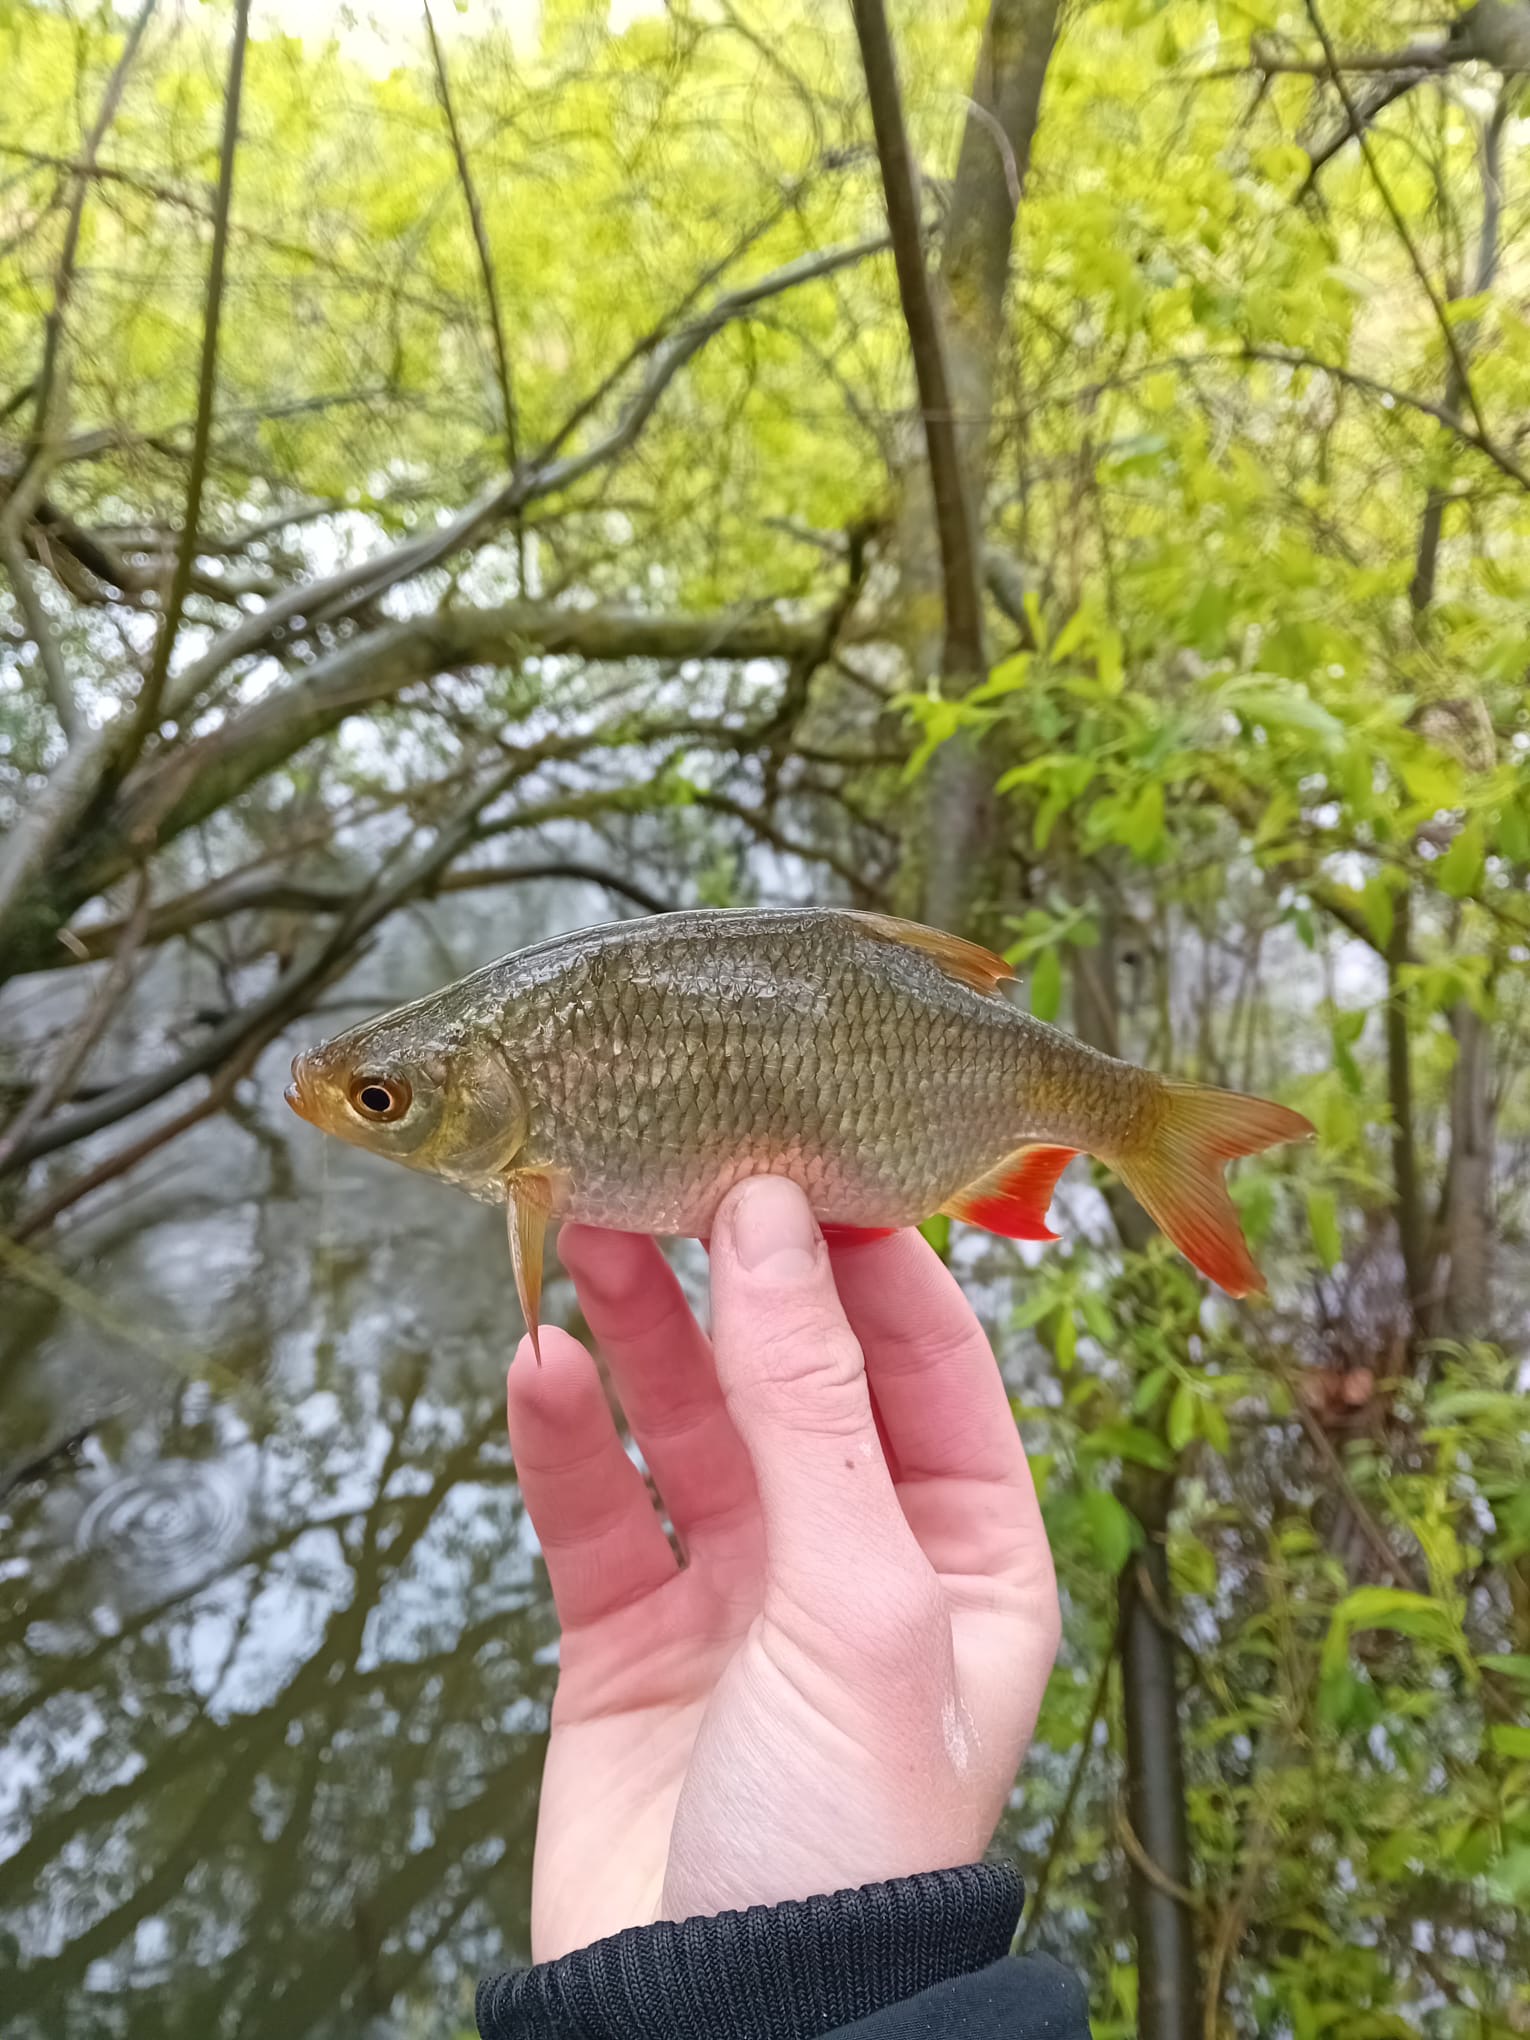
<point x="937" y="1231"/>
<point x="1282" y="705"/>
<point x="1113" y="1529"/>
<point x="1184" y="1416"/>
<point x="1514" y="832"/>
<point x="1140" y="828"/>
<point x="1459" y="872"/>
<point x="1323" y="1218"/>
<point x="1046" y="984"/>
<point x="1213" y="1422"/>
<point x="1420" y="1616"/>
<point x="1150" y="1388"/>
<point x="1110" y="659"/>
<point x="1509" y="1878"/>
<point x="1128" y="1441"/>
<point x="1065" y="1338"/>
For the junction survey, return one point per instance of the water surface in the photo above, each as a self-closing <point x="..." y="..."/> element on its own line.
<point x="276" y="1650"/>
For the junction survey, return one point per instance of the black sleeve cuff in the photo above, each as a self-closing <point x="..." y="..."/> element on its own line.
<point x="783" y="1972"/>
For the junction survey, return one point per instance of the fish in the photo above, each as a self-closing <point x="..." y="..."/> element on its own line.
<point x="629" y="1075"/>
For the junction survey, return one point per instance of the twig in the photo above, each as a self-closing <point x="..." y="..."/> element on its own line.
<point x="146" y="712"/>
<point x="40" y="629"/>
<point x="1297" y="357"/>
<point x="97" y="1017"/>
<point x="291" y="990"/>
<point x="1155" y="1874"/>
<point x="217" y="1095"/>
<point x="259" y="892"/>
<point x="490" y="291"/>
<point x="53" y="331"/>
<point x="1064" y="1819"/>
<point x="960" y="554"/>
<point x="342" y="592"/>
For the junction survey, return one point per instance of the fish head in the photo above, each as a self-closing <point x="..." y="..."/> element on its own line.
<point x="432" y="1095"/>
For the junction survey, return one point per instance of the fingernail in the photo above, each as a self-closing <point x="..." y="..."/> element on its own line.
<point x="773" y="1229"/>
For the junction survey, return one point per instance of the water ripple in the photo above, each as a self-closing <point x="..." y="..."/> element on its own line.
<point x="168" y="1524"/>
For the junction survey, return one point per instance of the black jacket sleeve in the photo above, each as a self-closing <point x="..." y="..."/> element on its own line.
<point x="910" y="1960"/>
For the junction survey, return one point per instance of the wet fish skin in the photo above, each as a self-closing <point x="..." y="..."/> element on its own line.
<point x="630" y="1075"/>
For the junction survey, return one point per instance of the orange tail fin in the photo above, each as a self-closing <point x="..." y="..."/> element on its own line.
<point x="1176" y="1174"/>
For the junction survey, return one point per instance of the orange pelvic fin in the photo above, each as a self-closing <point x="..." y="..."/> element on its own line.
<point x="967" y="962"/>
<point x="1176" y="1174"/>
<point x="1014" y="1198"/>
<point x="855" y="1235"/>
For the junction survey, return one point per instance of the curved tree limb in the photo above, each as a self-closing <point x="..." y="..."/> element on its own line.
<point x="339" y="593"/>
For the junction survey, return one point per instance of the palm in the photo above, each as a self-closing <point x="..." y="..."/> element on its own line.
<point x="791" y="1711"/>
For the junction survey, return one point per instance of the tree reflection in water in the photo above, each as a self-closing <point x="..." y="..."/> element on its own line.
<point x="275" y="1649"/>
<point x="295" y="1791"/>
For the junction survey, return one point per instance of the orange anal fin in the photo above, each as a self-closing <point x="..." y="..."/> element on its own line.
<point x="855" y="1235"/>
<point x="1177" y="1175"/>
<point x="968" y="962"/>
<point x="1014" y="1198"/>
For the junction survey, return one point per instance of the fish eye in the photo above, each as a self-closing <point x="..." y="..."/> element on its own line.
<point x="380" y="1099"/>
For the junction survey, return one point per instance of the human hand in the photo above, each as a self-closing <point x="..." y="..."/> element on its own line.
<point x="837" y="1685"/>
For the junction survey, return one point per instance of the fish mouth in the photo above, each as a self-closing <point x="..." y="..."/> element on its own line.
<point x="299" y="1094"/>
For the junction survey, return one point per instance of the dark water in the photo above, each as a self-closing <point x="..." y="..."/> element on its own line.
<point x="275" y="1647"/>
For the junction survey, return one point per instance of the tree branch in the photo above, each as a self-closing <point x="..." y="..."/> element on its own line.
<point x="265" y="892"/>
<point x="264" y="1018"/>
<point x="955" y="514"/>
<point x="1394" y="213"/>
<point x="485" y="263"/>
<point x="47" y="385"/>
<point x="56" y="679"/>
<point x="341" y="592"/>
<point x="146" y="711"/>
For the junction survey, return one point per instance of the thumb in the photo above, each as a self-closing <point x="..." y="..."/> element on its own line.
<point x="795" y="1382"/>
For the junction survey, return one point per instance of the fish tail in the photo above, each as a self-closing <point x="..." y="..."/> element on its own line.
<point x="1174" y="1170"/>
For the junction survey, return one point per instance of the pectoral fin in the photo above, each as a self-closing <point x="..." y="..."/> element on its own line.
<point x="528" y="1208"/>
<point x="1013" y="1198"/>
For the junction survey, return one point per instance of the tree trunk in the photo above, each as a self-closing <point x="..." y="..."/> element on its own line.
<point x="951" y="869"/>
<point x="1160" y="1866"/>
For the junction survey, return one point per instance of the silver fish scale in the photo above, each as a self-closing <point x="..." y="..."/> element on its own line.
<point x="663" y="1061"/>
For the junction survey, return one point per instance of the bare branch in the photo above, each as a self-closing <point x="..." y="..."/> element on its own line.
<point x="342" y="592"/>
<point x="955" y="514"/>
<point x="1431" y="529"/>
<point x="53" y="334"/>
<point x="40" y="630"/>
<point x="485" y="257"/>
<point x="255" y="892"/>
<point x="101" y="1010"/>
<point x="1394" y="213"/>
<point x="264" y="1018"/>
<point x="146" y="711"/>
<point x="1297" y="357"/>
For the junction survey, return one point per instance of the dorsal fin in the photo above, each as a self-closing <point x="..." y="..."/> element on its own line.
<point x="967" y="962"/>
